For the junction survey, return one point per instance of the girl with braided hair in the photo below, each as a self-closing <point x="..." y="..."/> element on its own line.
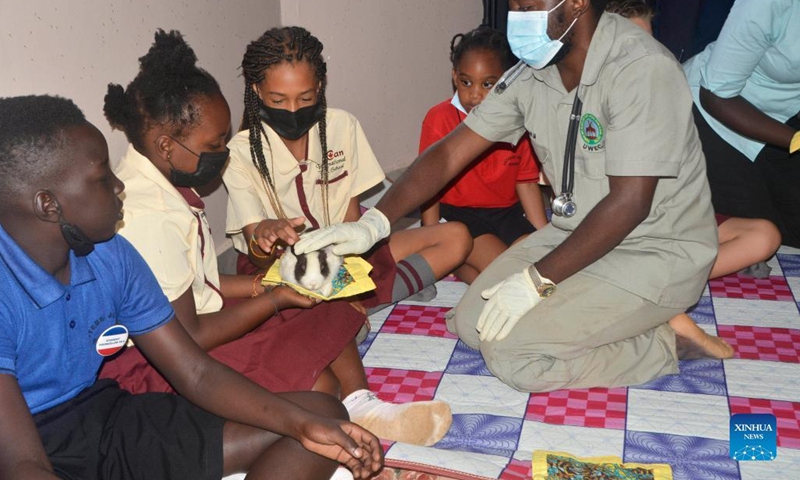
<point x="497" y="197"/>
<point x="297" y="163"/>
<point x="177" y="122"/>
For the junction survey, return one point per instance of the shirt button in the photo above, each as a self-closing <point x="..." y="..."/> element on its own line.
<point x="72" y="324"/>
<point x="69" y="297"/>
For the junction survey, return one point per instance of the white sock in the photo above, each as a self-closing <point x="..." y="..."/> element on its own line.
<point x="418" y="423"/>
<point x="342" y="473"/>
<point x="360" y="402"/>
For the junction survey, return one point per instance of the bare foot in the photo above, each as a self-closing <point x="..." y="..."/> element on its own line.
<point x="692" y="342"/>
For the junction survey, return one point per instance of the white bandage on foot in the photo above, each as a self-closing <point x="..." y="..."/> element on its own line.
<point x="417" y="423"/>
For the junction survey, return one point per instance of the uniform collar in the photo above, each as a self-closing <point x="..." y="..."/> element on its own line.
<point x="40" y="286"/>
<point x="599" y="49"/>
<point x="141" y="164"/>
<point x="285" y="163"/>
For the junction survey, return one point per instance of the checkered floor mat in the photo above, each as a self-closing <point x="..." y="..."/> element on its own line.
<point x="682" y="420"/>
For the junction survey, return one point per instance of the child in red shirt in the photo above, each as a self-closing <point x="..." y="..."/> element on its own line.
<point x="498" y="197"/>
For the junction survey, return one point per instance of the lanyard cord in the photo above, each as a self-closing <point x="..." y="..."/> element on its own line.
<point x="568" y="175"/>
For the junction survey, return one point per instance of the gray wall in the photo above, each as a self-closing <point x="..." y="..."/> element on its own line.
<point x="388" y="60"/>
<point x="76" y="48"/>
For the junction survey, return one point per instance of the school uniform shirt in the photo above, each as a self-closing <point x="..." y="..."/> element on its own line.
<point x="49" y="331"/>
<point x="636" y="121"/>
<point x="352" y="169"/>
<point x="757" y="57"/>
<point x="172" y="235"/>
<point x="491" y="180"/>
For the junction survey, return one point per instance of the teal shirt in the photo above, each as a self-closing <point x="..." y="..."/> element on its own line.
<point x="757" y="57"/>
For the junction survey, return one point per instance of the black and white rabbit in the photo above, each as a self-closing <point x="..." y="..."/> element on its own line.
<point x="313" y="271"/>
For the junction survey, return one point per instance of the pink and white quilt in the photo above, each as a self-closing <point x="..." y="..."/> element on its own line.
<point x="682" y="420"/>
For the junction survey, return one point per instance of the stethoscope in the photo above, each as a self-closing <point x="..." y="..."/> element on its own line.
<point x="564" y="204"/>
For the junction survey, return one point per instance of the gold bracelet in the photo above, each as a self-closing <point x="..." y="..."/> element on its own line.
<point x="255" y="283"/>
<point x="254" y="245"/>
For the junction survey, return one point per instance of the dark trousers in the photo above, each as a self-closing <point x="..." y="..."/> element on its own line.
<point x="768" y="187"/>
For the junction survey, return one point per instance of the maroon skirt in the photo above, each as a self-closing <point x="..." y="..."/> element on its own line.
<point x="384" y="271"/>
<point x="286" y="353"/>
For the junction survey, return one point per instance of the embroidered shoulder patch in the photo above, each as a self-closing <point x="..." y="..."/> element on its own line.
<point x="591" y="130"/>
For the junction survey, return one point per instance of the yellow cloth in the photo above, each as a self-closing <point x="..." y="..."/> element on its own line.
<point x="559" y="465"/>
<point x="795" y="144"/>
<point x="357" y="267"/>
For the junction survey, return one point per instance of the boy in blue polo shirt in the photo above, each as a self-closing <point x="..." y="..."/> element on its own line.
<point x="73" y="293"/>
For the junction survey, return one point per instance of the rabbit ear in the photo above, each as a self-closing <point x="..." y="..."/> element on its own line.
<point x="324" y="267"/>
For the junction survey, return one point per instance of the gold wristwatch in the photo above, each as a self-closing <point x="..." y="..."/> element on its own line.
<point x="544" y="286"/>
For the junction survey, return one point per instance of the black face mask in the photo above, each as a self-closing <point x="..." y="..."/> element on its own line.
<point x="291" y="125"/>
<point x="79" y="242"/>
<point x="209" y="165"/>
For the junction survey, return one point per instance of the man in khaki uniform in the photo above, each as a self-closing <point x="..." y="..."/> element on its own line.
<point x="587" y="300"/>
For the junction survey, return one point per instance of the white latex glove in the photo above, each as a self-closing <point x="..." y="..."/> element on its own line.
<point x="350" y="237"/>
<point x="507" y="302"/>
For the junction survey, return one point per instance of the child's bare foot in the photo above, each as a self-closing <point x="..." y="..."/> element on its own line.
<point x="692" y="342"/>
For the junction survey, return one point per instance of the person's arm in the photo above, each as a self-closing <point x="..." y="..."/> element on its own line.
<point x="749" y="32"/>
<point x="745" y="119"/>
<point x="248" y="211"/>
<point x="241" y="286"/>
<point x="607" y="224"/>
<point x="430" y="214"/>
<point x="228" y="394"/>
<point x="427" y="175"/>
<point x="22" y="455"/>
<point x="610" y="221"/>
<point x="432" y="171"/>
<point x="211" y="330"/>
<point x="530" y="197"/>
<point x="527" y="188"/>
<point x="435" y="126"/>
<point x="353" y="210"/>
<point x="261" y="238"/>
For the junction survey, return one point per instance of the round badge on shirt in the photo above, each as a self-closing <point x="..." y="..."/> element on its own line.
<point x="112" y="340"/>
<point x="592" y="131"/>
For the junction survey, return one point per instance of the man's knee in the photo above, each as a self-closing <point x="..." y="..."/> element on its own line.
<point x="522" y="370"/>
<point x="464" y="321"/>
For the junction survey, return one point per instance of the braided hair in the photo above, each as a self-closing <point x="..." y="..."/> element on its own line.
<point x="276" y="46"/>
<point x="164" y="91"/>
<point x="482" y="38"/>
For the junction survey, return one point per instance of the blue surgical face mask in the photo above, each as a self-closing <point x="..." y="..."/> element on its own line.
<point x="527" y="35"/>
